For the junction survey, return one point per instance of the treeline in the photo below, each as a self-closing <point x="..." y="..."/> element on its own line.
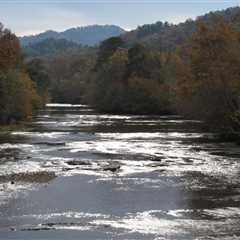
<point x="20" y="92"/>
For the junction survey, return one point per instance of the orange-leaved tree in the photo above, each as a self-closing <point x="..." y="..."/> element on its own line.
<point x="208" y="76"/>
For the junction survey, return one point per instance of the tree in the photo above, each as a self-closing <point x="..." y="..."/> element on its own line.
<point x="107" y="86"/>
<point x="18" y="97"/>
<point x="129" y="81"/>
<point x="18" y="93"/>
<point x="39" y="75"/>
<point x="208" y="77"/>
<point x="69" y="76"/>
<point x="107" y="48"/>
<point x="10" y="51"/>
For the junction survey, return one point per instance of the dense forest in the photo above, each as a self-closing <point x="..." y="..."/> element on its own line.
<point x="192" y="69"/>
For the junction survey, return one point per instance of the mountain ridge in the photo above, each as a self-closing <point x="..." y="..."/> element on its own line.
<point x="85" y="35"/>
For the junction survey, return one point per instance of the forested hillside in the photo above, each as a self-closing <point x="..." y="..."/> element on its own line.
<point x="165" y="36"/>
<point x="50" y="47"/>
<point x="90" y="35"/>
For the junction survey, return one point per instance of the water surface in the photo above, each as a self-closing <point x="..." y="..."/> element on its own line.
<point x="76" y="174"/>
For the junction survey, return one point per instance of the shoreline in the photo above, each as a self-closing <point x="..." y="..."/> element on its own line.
<point x="6" y="128"/>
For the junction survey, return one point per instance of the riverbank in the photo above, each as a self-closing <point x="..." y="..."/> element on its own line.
<point x="12" y="127"/>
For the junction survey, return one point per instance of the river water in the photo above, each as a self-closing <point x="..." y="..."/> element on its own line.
<point x="76" y="174"/>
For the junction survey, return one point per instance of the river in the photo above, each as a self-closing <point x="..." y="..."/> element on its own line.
<point x="75" y="174"/>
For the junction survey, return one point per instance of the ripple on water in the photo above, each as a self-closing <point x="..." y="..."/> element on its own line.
<point x="169" y="224"/>
<point x="41" y="134"/>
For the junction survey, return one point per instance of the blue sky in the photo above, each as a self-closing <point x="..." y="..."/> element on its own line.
<point x="26" y="17"/>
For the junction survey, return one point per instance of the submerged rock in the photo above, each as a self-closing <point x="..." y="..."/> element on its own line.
<point x="226" y="154"/>
<point x="53" y="226"/>
<point x="9" y="154"/>
<point x="38" y="229"/>
<point x="31" y="177"/>
<point x="78" y="163"/>
<point x="112" y="167"/>
<point x="67" y="169"/>
<point x="158" y="165"/>
<point x="52" y="143"/>
<point x="156" y="159"/>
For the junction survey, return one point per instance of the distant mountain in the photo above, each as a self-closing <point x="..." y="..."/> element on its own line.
<point x="89" y="35"/>
<point x="166" y="36"/>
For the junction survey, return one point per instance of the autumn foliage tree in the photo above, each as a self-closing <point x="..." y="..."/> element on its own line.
<point x="17" y="91"/>
<point x="208" y="77"/>
<point x="10" y="51"/>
